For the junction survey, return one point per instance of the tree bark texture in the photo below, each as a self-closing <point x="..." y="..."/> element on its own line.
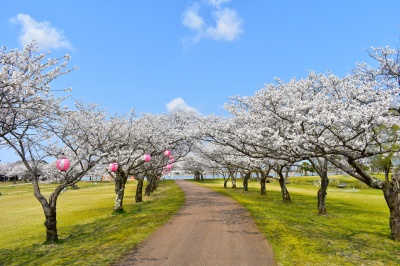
<point x="49" y="209"/>
<point x="322" y="192"/>
<point x="226" y="179"/>
<point x="321" y="166"/>
<point x="51" y="225"/>
<point x="391" y="192"/>
<point x="154" y="184"/>
<point x="246" y="178"/>
<point x="139" y="190"/>
<point x="282" y="182"/>
<point x="233" y="182"/>
<point x="120" y="182"/>
<point x="149" y="186"/>
<point x="263" y="180"/>
<point x="232" y="174"/>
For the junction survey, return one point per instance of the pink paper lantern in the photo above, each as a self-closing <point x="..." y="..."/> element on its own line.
<point x="147" y="157"/>
<point x="113" y="167"/>
<point x="62" y="163"/>
<point x="167" y="153"/>
<point x="171" y="159"/>
<point x="169" y="166"/>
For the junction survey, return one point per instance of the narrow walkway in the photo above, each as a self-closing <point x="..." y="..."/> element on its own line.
<point x="211" y="229"/>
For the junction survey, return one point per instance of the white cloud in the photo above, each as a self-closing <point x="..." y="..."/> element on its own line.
<point x="191" y="18"/>
<point x="43" y="33"/>
<point x="217" y="3"/>
<point x="179" y="103"/>
<point x="226" y="24"/>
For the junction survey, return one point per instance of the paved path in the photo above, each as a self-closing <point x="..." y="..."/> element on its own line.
<point x="211" y="229"/>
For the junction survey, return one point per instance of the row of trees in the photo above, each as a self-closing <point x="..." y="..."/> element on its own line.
<point x="322" y="119"/>
<point x="39" y="130"/>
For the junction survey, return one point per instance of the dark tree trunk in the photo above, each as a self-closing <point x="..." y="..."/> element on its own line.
<point x="120" y="182"/>
<point x="391" y="192"/>
<point x="321" y="166"/>
<point x="246" y="178"/>
<point x="322" y="193"/>
<point x="202" y="177"/>
<point x="263" y="185"/>
<point x="49" y="209"/>
<point x="263" y="179"/>
<point x="51" y="225"/>
<point x="197" y="176"/>
<point x="50" y="212"/>
<point x="226" y="181"/>
<point x="282" y="182"/>
<point x="139" y="190"/>
<point x="154" y="184"/>
<point x="149" y="186"/>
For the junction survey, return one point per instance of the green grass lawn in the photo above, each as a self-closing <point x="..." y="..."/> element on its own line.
<point x="90" y="233"/>
<point x="355" y="232"/>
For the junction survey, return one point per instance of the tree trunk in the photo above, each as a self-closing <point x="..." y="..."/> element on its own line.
<point x="263" y="185"/>
<point x="232" y="174"/>
<point x="246" y="178"/>
<point x="226" y="181"/>
<point x="49" y="209"/>
<point x="51" y="225"/>
<point x="197" y="176"/>
<point x="322" y="192"/>
<point x="149" y="186"/>
<point x="282" y="182"/>
<point x="321" y="166"/>
<point x="120" y="182"/>
<point x="139" y="189"/>
<point x="233" y="182"/>
<point x="154" y="184"/>
<point x="391" y="192"/>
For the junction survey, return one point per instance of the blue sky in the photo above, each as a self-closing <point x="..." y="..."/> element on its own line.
<point x="154" y="55"/>
<point x="146" y="54"/>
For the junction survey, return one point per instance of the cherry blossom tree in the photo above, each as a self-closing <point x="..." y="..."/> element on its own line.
<point x="326" y="118"/>
<point x="148" y="134"/>
<point x="38" y="130"/>
<point x="25" y="96"/>
<point x="79" y="135"/>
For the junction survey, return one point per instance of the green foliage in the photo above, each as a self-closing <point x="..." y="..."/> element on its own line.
<point x="90" y="234"/>
<point x="355" y="232"/>
<point x="306" y="167"/>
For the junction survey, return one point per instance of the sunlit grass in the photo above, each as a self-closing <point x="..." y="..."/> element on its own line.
<point x="355" y="232"/>
<point x="90" y="234"/>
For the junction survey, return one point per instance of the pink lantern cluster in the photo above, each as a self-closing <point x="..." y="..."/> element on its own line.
<point x="63" y="163"/>
<point x="167" y="153"/>
<point x="168" y="167"/>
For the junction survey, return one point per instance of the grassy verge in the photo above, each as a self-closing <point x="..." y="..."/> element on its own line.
<point x="90" y="234"/>
<point x="355" y="232"/>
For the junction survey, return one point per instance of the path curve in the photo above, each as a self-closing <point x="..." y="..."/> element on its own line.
<point x="210" y="229"/>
